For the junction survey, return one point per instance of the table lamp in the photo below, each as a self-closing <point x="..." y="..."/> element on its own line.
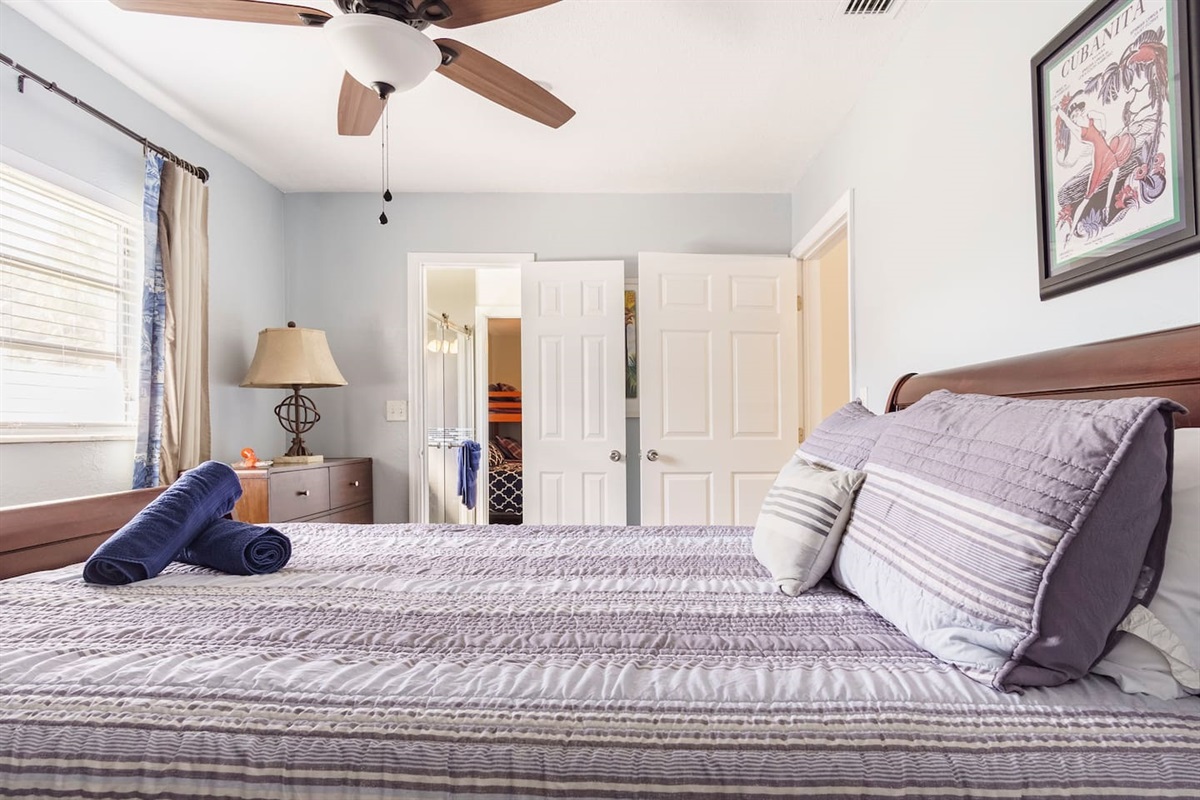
<point x="294" y="358"/>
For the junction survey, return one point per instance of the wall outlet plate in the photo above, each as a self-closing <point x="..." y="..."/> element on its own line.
<point x="397" y="410"/>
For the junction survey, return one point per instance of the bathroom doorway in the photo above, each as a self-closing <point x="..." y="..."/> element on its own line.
<point x="449" y="379"/>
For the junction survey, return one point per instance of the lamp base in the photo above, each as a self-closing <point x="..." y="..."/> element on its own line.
<point x="288" y="460"/>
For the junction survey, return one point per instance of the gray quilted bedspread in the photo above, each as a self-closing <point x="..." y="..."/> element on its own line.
<point x="405" y="661"/>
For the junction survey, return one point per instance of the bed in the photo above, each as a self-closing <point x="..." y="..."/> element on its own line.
<point x="434" y="661"/>
<point x="506" y="489"/>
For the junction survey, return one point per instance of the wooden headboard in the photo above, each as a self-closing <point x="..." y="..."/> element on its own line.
<point x="1160" y="364"/>
<point x="48" y="535"/>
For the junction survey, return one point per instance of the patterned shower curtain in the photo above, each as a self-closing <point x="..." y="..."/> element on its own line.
<point x="147" y="457"/>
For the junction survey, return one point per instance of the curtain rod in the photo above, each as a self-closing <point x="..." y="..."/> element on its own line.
<point x="23" y="73"/>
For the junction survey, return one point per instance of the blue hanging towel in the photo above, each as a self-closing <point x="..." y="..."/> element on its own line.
<point x="468" y="472"/>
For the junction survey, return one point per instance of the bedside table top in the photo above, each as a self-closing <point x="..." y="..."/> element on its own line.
<point x="275" y="470"/>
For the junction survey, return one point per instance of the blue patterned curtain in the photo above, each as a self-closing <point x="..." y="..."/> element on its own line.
<point x="154" y="317"/>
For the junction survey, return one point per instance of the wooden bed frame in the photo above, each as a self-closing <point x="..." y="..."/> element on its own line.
<point x="48" y="535"/>
<point x="1160" y="364"/>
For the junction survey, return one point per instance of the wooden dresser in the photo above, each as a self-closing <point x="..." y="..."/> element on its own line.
<point x="336" y="490"/>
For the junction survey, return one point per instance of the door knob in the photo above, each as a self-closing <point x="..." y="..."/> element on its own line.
<point x="615" y="455"/>
<point x="652" y="455"/>
<point x="303" y="493"/>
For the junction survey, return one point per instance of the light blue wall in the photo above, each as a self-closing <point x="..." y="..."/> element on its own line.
<point x="348" y="275"/>
<point x="245" y="237"/>
<point x="939" y="153"/>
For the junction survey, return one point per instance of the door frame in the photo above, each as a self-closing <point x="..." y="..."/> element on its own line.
<point x="418" y="266"/>
<point x="838" y="220"/>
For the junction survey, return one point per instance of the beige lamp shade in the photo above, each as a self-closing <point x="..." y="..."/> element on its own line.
<point x="291" y="356"/>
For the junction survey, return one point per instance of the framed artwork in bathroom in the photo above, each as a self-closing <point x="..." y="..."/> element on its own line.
<point x="631" y="353"/>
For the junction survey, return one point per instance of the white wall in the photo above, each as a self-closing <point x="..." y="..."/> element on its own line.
<point x="939" y="153"/>
<point x="498" y="287"/>
<point x="246" y="252"/>
<point x="347" y="274"/>
<point x="452" y="292"/>
<point x="504" y="353"/>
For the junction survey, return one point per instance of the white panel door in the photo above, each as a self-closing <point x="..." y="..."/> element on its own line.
<point x="573" y="392"/>
<point x="717" y="378"/>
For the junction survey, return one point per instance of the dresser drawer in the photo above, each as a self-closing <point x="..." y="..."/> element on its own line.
<point x="349" y="484"/>
<point x="299" y="494"/>
<point x="359" y="515"/>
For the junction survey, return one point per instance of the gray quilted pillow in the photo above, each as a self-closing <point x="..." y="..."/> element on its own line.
<point x="1011" y="537"/>
<point x="844" y="440"/>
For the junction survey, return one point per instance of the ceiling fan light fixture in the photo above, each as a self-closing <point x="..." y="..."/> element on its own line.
<point x="377" y="50"/>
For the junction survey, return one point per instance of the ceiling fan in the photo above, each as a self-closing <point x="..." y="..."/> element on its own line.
<point x="384" y="51"/>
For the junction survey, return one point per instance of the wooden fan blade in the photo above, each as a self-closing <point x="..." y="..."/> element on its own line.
<point x="472" y="12"/>
<point x="233" y="10"/>
<point x="359" y="108"/>
<point x="486" y="76"/>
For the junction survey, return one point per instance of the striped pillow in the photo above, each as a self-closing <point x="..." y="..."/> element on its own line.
<point x="1010" y="538"/>
<point x="845" y="438"/>
<point x="801" y="522"/>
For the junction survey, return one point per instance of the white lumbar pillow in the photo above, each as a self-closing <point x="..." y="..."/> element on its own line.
<point x="1160" y="657"/>
<point x="801" y="522"/>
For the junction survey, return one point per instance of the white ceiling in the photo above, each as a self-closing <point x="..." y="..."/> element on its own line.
<point x="671" y="95"/>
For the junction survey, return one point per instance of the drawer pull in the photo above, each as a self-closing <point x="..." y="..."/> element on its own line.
<point x="303" y="493"/>
<point x="354" y="484"/>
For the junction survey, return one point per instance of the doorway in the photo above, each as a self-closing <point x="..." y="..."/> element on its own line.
<point x="825" y="309"/>
<point x="503" y="481"/>
<point x="448" y="377"/>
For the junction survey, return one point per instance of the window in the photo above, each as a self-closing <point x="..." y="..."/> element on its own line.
<point x="70" y="311"/>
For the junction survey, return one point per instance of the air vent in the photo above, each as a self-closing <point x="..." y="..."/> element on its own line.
<point x="869" y="7"/>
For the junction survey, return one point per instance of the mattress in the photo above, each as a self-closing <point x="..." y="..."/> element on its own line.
<point x="439" y="661"/>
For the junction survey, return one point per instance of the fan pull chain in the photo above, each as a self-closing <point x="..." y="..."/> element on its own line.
<point x="387" y="161"/>
<point x="384" y="177"/>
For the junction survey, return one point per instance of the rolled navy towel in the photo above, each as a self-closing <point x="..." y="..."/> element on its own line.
<point x="238" y="548"/>
<point x="150" y="540"/>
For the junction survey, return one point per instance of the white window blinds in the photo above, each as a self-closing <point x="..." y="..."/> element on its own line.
<point x="70" y="312"/>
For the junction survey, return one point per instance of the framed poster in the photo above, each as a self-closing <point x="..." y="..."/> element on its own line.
<point x="1114" y="108"/>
